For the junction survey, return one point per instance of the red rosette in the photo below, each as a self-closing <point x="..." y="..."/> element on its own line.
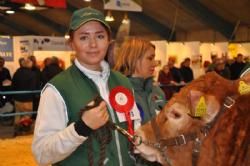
<point x="122" y="100"/>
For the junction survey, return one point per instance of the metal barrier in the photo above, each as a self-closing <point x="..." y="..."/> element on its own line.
<point x="18" y="92"/>
<point x="170" y="89"/>
<point x="3" y="94"/>
<point x="16" y="114"/>
<point x="13" y="122"/>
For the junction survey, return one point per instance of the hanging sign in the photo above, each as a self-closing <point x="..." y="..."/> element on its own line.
<point x="26" y="45"/>
<point x="6" y="48"/>
<point x="44" y="43"/>
<point x="123" y="5"/>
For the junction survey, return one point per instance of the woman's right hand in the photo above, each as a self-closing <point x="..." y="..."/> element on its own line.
<point x="96" y="117"/>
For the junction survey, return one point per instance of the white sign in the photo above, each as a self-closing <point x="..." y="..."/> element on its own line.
<point x="47" y="43"/>
<point x="123" y="5"/>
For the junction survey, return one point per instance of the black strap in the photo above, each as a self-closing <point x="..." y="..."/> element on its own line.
<point x="228" y="103"/>
<point x="196" y="151"/>
<point x="179" y="140"/>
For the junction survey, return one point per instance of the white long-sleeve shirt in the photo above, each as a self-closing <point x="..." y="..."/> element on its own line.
<point x="53" y="139"/>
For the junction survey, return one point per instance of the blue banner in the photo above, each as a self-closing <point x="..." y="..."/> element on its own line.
<point x="6" y="48"/>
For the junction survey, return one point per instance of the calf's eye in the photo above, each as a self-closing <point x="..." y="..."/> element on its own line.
<point x="177" y="115"/>
<point x="174" y="114"/>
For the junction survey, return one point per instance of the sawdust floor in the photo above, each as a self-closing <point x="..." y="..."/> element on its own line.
<point x="16" y="151"/>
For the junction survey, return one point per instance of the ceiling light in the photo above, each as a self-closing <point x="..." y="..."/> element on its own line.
<point x="66" y="36"/>
<point x="109" y="17"/>
<point x="87" y="0"/>
<point x="10" y="11"/>
<point x="6" y="37"/>
<point x="29" y="6"/>
<point x="125" y="19"/>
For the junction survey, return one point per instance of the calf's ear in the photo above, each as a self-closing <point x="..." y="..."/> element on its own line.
<point x="203" y="106"/>
<point x="244" y="85"/>
<point x="198" y="104"/>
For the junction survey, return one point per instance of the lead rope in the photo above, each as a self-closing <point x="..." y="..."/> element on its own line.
<point x="103" y="137"/>
<point x="158" y="146"/>
<point x="90" y="152"/>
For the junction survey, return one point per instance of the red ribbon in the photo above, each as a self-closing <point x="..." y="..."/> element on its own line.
<point x="122" y="100"/>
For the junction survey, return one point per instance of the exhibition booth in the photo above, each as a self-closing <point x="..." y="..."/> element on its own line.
<point x="12" y="48"/>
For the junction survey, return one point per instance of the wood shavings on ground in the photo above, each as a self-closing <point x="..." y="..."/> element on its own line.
<point x="16" y="151"/>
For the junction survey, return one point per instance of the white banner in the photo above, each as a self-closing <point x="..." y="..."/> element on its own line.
<point x="47" y="43"/>
<point x="28" y="44"/>
<point x="123" y="5"/>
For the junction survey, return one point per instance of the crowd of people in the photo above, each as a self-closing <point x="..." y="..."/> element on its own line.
<point x="69" y="125"/>
<point x="27" y="78"/>
<point x="227" y="68"/>
<point x="172" y="78"/>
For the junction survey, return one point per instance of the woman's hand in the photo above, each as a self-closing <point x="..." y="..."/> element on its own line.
<point x="96" y="117"/>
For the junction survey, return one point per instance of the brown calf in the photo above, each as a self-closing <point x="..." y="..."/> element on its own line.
<point x="178" y="136"/>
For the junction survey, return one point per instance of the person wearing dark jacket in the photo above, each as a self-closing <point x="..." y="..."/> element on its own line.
<point x="51" y="70"/>
<point x="237" y="67"/>
<point x="5" y="82"/>
<point x="24" y="79"/>
<point x="39" y="85"/>
<point x="221" y="69"/>
<point x="186" y="71"/>
<point x="174" y="70"/>
<point x="4" y="73"/>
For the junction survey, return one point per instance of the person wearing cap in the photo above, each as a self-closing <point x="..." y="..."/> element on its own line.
<point x="66" y="132"/>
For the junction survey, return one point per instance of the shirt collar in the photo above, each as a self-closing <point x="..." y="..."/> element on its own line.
<point x="141" y="84"/>
<point x="104" y="74"/>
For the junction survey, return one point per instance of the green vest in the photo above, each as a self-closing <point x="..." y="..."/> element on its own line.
<point x="77" y="90"/>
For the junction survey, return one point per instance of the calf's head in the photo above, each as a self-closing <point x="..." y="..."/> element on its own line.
<point x="194" y="106"/>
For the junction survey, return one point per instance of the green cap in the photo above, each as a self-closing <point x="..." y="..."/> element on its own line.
<point x="84" y="15"/>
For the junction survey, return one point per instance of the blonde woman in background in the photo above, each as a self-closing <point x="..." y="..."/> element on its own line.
<point x="136" y="59"/>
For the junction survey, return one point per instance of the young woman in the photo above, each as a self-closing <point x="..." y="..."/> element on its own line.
<point x="65" y="135"/>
